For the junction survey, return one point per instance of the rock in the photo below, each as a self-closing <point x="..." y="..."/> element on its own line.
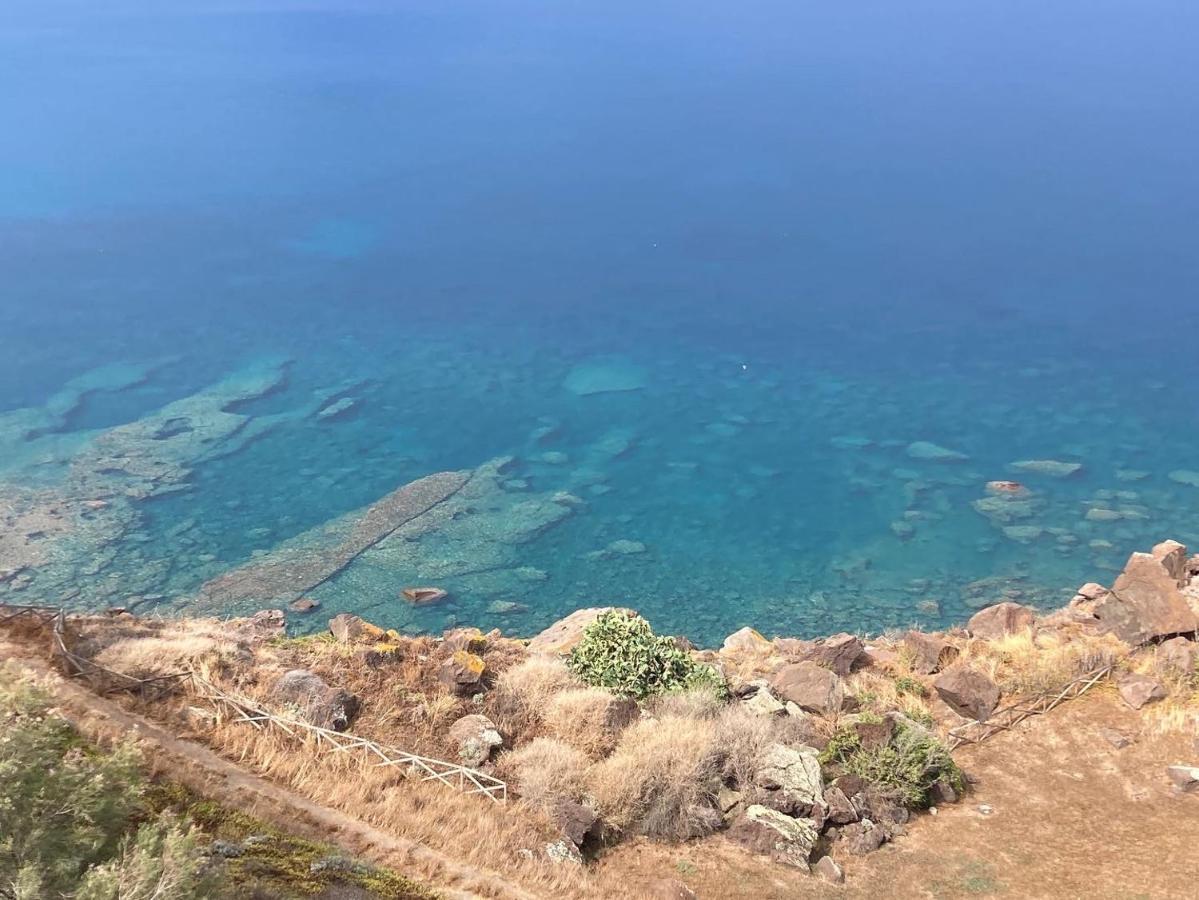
<point x="462" y="672"/>
<point x="1185" y="778"/>
<point x="929" y="653"/>
<point x="1177" y="656"/>
<point x="575" y="820"/>
<point x="782" y="838"/>
<point x="1092" y="591"/>
<point x="303" y="605"/>
<point x="763" y="703"/>
<point x="1007" y="489"/>
<point x="874" y="735"/>
<point x="862" y="837"/>
<point x="840" y="810"/>
<point x="1001" y="619"/>
<point x="811" y="687"/>
<point x="1173" y="558"/>
<point x="264" y="625"/>
<point x="1184" y="476"/>
<point x="1051" y="467"/>
<point x="1145" y="602"/>
<point x="603" y="375"/>
<point x="475" y="736"/>
<point x="563" y="852"/>
<point x="827" y="868"/>
<point x="424" y="596"/>
<point x="349" y="629"/>
<point x="1024" y="534"/>
<point x="314" y="700"/>
<point x="942" y="793"/>
<point x="746" y="641"/>
<point x="929" y="451"/>
<point x="729" y="802"/>
<point x="469" y="639"/>
<point x="1137" y="690"/>
<point x="561" y="637"/>
<point x="625" y="547"/>
<point x="838" y="653"/>
<point x="789" y="780"/>
<point x="1115" y="738"/>
<point x="967" y="692"/>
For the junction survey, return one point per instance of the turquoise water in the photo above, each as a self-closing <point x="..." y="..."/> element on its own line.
<point x="801" y="238"/>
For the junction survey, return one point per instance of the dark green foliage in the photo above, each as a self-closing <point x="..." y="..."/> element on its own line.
<point x="905" y="769"/>
<point x="163" y="861"/>
<point x="906" y="684"/>
<point x="622" y="654"/>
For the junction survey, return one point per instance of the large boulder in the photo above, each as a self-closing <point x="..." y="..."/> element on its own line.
<point x="1177" y="656"/>
<point x="475" y="736"/>
<point x="463" y="672"/>
<point x="788" y="779"/>
<point x="1146" y="603"/>
<point x="838" y="653"/>
<point x="1138" y="690"/>
<point x="928" y="653"/>
<point x="770" y="832"/>
<point x="746" y="640"/>
<point x="967" y="692"/>
<point x="999" y="620"/>
<point x="561" y="637"/>
<point x="348" y="628"/>
<point x="863" y="837"/>
<point x="812" y="688"/>
<point x="575" y="820"/>
<point x="314" y="700"/>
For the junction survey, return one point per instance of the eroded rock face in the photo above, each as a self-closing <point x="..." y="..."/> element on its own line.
<point x="1146" y="602"/>
<point x="314" y="700"/>
<point x="999" y="620"/>
<point x="770" y="832"/>
<point x="967" y="692"/>
<point x="789" y="780"/>
<point x="838" y="653"/>
<point x="475" y="737"/>
<point x="861" y="838"/>
<point x="812" y="688"/>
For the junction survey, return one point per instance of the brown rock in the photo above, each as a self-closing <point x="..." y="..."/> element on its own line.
<point x="264" y="625"/>
<point x="826" y="867"/>
<point x="1137" y="690"/>
<point x="303" y="605"/>
<point x="840" y="810"/>
<point x="350" y="629"/>
<point x="942" y="793"/>
<point x="1177" y="656"/>
<point x="1173" y="558"/>
<point x="462" y="672"/>
<point x="476" y="737"/>
<point x="746" y="641"/>
<point x="561" y="637"/>
<point x="838" y="653"/>
<point x="812" y="688"/>
<point x="782" y="838"/>
<point x="314" y="700"/>
<point x="1185" y="778"/>
<point x="1092" y="591"/>
<point x="861" y="838"/>
<point x="424" y="596"/>
<point x="1145" y="603"/>
<point x="967" y="692"/>
<point x="575" y="820"/>
<point x="468" y="639"/>
<point x="929" y="652"/>
<point x="874" y="735"/>
<point x="1001" y="619"/>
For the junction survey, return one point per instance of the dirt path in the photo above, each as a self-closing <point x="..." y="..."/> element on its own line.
<point x="1071" y="817"/>
<point x="214" y="777"/>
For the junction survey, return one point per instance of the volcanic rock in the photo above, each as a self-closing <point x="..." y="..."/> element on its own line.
<point x="999" y="620"/>
<point x="967" y="692"/>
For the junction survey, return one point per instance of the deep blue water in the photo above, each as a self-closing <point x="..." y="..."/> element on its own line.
<point x="969" y="224"/>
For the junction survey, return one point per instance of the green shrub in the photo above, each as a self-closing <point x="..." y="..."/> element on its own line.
<point x="905" y="769"/>
<point x="162" y="862"/>
<point x="906" y="684"/>
<point x="621" y="653"/>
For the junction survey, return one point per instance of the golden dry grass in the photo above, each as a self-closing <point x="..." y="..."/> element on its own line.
<point x="545" y="771"/>
<point x="1027" y="662"/>
<point x="523" y="692"/>
<point x="585" y="718"/>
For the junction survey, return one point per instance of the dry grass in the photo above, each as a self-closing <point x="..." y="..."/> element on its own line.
<point x="523" y="693"/>
<point x="662" y="778"/>
<point x="1025" y="662"/>
<point x="880" y="694"/>
<point x="588" y="719"/>
<point x="545" y="772"/>
<point x="172" y="648"/>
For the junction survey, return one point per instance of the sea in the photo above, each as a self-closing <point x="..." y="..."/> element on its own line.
<point x="750" y="304"/>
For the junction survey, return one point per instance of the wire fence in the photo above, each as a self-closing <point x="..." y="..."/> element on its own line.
<point x="104" y="680"/>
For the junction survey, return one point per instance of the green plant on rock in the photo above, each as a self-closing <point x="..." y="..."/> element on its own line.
<point x="621" y="653"/>
<point x="906" y="684"/>
<point x="906" y="768"/>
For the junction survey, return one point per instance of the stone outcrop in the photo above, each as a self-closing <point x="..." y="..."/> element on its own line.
<point x="770" y="832"/>
<point x="576" y="821"/>
<point x="747" y="640"/>
<point x="561" y="637"/>
<point x="838" y="653"/>
<point x="348" y="628"/>
<point x="476" y="737"/>
<point x="999" y="620"/>
<point x="928" y="653"/>
<point x="967" y="692"/>
<point x="811" y="687"/>
<point x="314" y="700"/>
<point x="1146" y="602"/>
<point x="789" y="780"/>
<point x="1177" y="656"/>
<point x="462" y="673"/>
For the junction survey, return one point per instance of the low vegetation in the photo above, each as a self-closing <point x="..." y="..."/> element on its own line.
<point x="906" y="768"/>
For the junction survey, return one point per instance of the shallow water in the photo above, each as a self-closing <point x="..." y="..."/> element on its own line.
<point x="804" y="238"/>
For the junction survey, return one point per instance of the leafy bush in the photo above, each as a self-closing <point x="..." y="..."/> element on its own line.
<point x="906" y="684"/>
<point x="906" y="768"/>
<point x="162" y="862"/>
<point x="621" y="653"/>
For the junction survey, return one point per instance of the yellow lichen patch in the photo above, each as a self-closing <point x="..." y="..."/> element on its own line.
<point x="469" y="662"/>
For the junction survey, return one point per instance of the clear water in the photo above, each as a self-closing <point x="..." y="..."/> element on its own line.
<point x="820" y="231"/>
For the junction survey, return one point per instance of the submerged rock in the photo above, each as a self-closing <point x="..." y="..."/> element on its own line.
<point x="1185" y="476"/>
<point x="929" y="451"/>
<point x="1052" y="467"/>
<point x="605" y="375"/>
<point x="424" y="596"/>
